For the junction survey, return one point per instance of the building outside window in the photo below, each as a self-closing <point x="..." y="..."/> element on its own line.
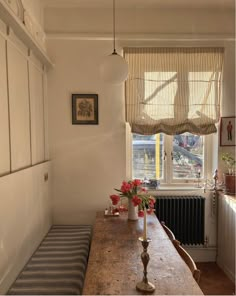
<point x="168" y="158"/>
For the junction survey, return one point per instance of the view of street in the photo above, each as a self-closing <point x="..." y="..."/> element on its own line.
<point x="149" y="156"/>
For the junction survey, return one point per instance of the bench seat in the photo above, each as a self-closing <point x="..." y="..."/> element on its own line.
<point x="59" y="264"/>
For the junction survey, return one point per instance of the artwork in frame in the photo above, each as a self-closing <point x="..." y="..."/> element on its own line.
<point x="84" y="109"/>
<point x="227" y="131"/>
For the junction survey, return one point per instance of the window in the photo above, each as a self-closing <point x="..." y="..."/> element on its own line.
<point x="148" y="160"/>
<point x="170" y="91"/>
<point x="171" y="159"/>
<point x="187" y="156"/>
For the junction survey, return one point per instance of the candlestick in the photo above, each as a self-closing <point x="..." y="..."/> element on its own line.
<point x="145" y="285"/>
<point x="145" y="225"/>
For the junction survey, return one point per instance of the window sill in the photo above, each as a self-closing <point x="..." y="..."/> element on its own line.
<point x="175" y="188"/>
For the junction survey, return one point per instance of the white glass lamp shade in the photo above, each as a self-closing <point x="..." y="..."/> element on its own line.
<point x="114" y="69"/>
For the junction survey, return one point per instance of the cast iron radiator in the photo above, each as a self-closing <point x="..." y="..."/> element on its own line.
<point x="184" y="215"/>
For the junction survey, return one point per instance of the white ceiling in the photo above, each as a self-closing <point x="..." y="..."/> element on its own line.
<point x="170" y="4"/>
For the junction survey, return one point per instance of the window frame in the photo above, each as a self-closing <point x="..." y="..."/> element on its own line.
<point x="168" y="178"/>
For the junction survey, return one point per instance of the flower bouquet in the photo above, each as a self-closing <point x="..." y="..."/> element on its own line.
<point x="135" y="193"/>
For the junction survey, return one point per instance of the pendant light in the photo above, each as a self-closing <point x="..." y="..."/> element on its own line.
<point x="114" y="68"/>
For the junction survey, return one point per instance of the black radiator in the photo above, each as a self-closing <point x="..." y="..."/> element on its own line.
<point x="184" y="215"/>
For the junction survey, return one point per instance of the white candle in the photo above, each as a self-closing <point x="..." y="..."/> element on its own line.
<point x="145" y="225"/>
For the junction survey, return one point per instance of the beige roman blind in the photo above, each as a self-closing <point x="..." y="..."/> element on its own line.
<point x="173" y="90"/>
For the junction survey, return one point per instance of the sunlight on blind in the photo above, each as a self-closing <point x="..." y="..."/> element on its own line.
<point x="173" y="90"/>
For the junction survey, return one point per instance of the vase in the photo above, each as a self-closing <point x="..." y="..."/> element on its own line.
<point x="229" y="181"/>
<point x="132" y="211"/>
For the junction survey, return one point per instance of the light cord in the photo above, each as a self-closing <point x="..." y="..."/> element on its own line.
<point x="114" y="27"/>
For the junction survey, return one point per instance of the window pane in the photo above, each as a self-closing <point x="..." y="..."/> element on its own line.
<point x="187" y="156"/>
<point x="160" y="92"/>
<point x="148" y="156"/>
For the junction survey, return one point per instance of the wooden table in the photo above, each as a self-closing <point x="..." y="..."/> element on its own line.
<point x="115" y="266"/>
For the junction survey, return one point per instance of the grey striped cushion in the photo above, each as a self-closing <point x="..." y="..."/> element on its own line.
<point x="58" y="266"/>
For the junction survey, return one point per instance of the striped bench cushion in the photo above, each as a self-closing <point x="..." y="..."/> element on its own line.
<point x="58" y="266"/>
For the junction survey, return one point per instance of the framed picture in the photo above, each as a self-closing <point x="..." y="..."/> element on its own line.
<point x="227" y="131"/>
<point x="84" y="109"/>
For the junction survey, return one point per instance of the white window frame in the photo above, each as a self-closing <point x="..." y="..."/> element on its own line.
<point x="168" y="180"/>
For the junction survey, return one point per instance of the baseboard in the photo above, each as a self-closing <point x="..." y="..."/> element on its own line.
<point x="208" y="254"/>
<point x="228" y="272"/>
<point x="202" y="254"/>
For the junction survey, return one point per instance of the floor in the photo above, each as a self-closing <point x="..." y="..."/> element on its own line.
<point x="214" y="281"/>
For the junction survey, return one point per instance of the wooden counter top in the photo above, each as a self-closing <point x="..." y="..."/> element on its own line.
<point x="115" y="266"/>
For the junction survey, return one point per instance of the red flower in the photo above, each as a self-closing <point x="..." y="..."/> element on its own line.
<point x="151" y="202"/>
<point x="136" y="182"/>
<point x="141" y="213"/>
<point x="149" y="211"/>
<point x="139" y="196"/>
<point x="136" y="200"/>
<point x="125" y="187"/>
<point x="143" y="189"/>
<point x="115" y="199"/>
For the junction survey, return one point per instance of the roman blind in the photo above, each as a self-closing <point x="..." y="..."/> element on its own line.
<point x="173" y="90"/>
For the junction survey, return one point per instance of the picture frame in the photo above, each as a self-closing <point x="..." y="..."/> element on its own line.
<point x="84" y="109"/>
<point x="227" y="131"/>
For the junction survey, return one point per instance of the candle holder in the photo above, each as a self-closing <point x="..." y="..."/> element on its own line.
<point x="145" y="285"/>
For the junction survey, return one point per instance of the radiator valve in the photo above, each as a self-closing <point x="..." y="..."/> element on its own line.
<point x="206" y="241"/>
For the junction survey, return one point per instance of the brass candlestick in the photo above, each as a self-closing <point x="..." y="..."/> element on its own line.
<point x="145" y="285"/>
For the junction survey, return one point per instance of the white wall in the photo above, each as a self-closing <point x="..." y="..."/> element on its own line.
<point x="136" y="20"/>
<point x="24" y="219"/>
<point x="89" y="161"/>
<point x="226" y="234"/>
<point x="228" y="107"/>
<point x="25" y="209"/>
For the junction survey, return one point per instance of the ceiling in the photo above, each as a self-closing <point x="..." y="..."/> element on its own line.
<point x="165" y="4"/>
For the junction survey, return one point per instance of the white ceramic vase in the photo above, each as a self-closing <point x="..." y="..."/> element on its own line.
<point x="132" y="211"/>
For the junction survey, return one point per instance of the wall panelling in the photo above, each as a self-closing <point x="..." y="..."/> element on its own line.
<point x="37" y="113"/>
<point x="25" y="209"/>
<point x="4" y="120"/>
<point x="19" y="108"/>
<point x="226" y="234"/>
